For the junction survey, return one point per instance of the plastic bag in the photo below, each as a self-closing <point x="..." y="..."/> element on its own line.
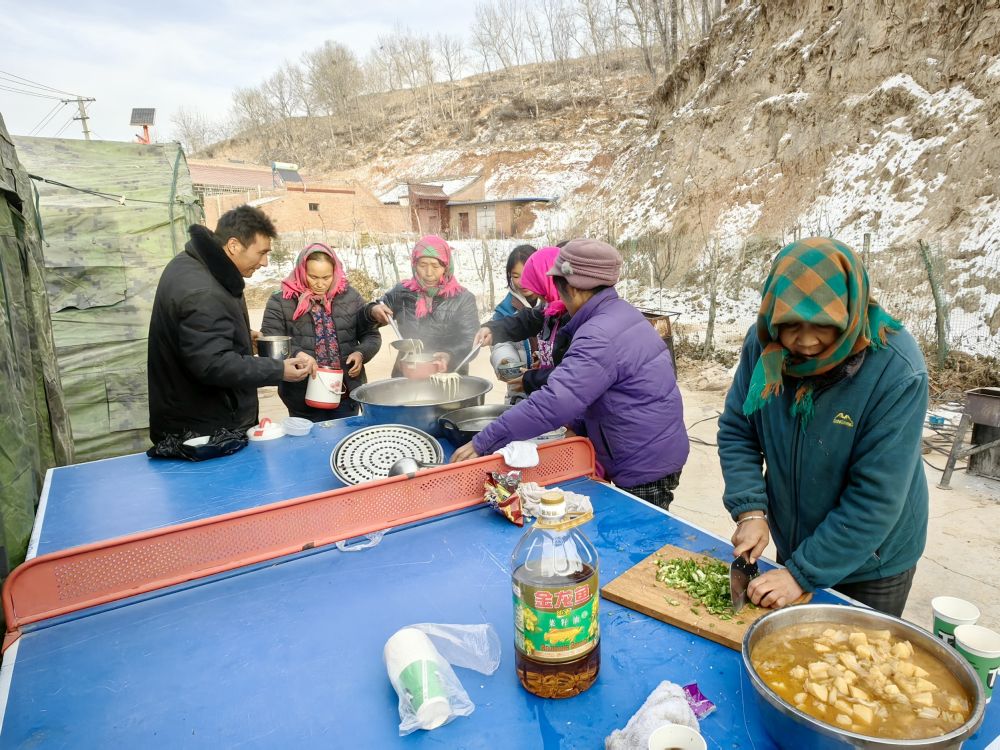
<point x="419" y="661"/>
<point x="370" y="541"/>
<point x="192" y="447"/>
<point x="500" y="493"/>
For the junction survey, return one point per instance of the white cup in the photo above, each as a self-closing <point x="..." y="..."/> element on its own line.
<point x="677" y="736"/>
<point x="949" y="613"/>
<point x="414" y="671"/>
<point x="324" y="390"/>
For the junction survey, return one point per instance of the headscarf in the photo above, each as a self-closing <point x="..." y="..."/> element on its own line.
<point x="820" y="281"/>
<point x="435" y="247"/>
<point x="534" y="279"/>
<point x="296" y="284"/>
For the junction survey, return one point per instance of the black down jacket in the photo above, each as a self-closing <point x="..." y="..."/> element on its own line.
<point x="449" y="327"/>
<point x="355" y="333"/>
<point x="200" y="366"/>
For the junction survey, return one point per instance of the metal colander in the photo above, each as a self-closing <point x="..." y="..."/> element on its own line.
<point x="369" y="453"/>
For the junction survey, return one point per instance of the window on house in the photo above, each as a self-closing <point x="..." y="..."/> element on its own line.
<point x="314" y="207"/>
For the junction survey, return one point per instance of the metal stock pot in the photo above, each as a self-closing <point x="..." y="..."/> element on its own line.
<point x="417" y="403"/>
<point x="792" y="729"/>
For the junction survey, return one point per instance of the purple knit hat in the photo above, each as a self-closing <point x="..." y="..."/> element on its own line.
<point x="586" y="264"/>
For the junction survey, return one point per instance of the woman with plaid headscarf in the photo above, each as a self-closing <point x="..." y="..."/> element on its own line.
<point x="431" y="306"/>
<point x="830" y="395"/>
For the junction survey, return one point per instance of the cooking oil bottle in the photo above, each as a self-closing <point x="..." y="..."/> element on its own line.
<point x="556" y="629"/>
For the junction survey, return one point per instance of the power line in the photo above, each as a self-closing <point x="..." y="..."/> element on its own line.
<point x="66" y="125"/>
<point x="35" y="84"/>
<point x="47" y="119"/>
<point x="28" y="93"/>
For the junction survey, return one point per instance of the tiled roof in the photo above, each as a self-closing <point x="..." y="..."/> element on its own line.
<point x="219" y="174"/>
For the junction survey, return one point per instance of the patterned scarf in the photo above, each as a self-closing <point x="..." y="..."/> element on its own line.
<point x="535" y="280"/>
<point x="296" y="284"/>
<point x="820" y="281"/>
<point x="432" y="246"/>
<point x="327" y="345"/>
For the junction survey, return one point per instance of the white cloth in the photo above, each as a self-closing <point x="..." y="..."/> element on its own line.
<point x="665" y="705"/>
<point x="531" y="497"/>
<point x="520" y="454"/>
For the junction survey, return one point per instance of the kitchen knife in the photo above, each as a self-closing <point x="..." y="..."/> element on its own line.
<point x="741" y="572"/>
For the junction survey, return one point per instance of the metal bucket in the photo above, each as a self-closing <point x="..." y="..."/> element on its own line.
<point x="274" y="347"/>
<point x="417" y="403"/>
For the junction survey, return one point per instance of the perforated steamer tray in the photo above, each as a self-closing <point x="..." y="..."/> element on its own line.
<point x="369" y="453"/>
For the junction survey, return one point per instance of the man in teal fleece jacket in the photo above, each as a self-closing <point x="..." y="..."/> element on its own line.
<point x="830" y="395"/>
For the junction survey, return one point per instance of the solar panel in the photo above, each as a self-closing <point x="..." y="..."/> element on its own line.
<point x="289" y="176"/>
<point x="143" y="116"/>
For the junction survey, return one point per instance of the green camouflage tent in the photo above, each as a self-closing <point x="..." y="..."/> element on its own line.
<point x="112" y="215"/>
<point x="34" y="429"/>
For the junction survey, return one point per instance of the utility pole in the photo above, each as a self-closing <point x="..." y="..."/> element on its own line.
<point x="83" y="113"/>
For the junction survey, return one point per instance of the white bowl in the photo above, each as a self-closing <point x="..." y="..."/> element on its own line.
<point x="297" y="426"/>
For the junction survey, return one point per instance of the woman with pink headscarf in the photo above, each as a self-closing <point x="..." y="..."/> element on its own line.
<point x="325" y="317"/>
<point x="431" y="306"/>
<point x="545" y="321"/>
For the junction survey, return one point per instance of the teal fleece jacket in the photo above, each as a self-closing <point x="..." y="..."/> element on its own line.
<point x="846" y="498"/>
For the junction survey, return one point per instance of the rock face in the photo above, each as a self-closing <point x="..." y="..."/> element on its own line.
<point x="845" y="118"/>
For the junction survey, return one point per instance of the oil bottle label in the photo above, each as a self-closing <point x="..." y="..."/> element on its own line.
<point x="556" y="624"/>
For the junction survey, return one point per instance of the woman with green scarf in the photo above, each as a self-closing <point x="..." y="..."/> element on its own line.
<point x="830" y="397"/>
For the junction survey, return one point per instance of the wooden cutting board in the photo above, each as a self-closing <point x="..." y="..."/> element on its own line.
<point x="638" y="589"/>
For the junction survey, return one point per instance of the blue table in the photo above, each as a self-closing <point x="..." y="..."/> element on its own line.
<point x="288" y="653"/>
<point x="104" y="499"/>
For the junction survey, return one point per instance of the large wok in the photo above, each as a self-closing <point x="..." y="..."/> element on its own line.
<point x="417" y="403"/>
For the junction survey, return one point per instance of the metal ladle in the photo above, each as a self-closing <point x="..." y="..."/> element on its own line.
<point x="408" y="465"/>
<point x="405" y="346"/>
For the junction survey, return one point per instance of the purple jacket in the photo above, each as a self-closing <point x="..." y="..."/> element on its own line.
<point x="618" y="378"/>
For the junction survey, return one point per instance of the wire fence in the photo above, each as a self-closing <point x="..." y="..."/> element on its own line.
<point x="947" y="295"/>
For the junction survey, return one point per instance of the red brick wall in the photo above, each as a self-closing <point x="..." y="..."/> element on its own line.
<point x="337" y="212"/>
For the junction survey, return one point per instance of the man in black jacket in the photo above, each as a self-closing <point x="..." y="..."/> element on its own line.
<point x="200" y="364"/>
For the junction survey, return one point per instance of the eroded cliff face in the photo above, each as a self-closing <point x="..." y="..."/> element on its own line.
<point x="877" y="116"/>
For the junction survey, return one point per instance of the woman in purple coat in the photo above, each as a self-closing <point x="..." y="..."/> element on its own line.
<point x="615" y="384"/>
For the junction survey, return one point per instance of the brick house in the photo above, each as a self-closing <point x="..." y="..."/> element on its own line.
<point x="457" y="207"/>
<point x="294" y="202"/>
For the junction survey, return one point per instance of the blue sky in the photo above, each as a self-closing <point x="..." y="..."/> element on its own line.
<point x="166" y="55"/>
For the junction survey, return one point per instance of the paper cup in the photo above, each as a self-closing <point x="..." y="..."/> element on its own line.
<point x="412" y="663"/>
<point x="949" y="613"/>
<point x="981" y="648"/>
<point x="676" y="736"/>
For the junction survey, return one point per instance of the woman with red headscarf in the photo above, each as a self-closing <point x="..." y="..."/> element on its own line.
<point x="431" y="306"/>
<point x="545" y="321"/>
<point x="325" y="317"/>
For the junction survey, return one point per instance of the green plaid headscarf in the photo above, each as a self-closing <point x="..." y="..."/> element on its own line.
<point x="820" y="281"/>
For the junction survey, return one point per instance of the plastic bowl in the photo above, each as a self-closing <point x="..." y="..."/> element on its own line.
<point x="297" y="426"/>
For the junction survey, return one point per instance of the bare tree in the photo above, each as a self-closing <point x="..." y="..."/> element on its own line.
<point x="451" y="56"/>
<point x="451" y="59"/>
<point x="560" y="24"/>
<point x="334" y="81"/>
<point x="641" y="16"/>
<point x="193" y="130"/>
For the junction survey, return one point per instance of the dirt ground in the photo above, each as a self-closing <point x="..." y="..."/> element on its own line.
<point x="963" y="546"/>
